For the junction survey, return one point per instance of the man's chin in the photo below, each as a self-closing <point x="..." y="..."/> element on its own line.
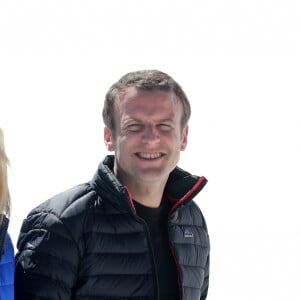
<point x="151" y="175"/>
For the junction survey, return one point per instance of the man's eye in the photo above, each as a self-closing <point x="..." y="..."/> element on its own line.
<point x="165" y="127"/>
<point x="134" y="127"/>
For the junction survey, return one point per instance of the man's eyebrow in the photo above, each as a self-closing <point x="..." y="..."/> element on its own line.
<point x="167" y="120"/>
<point x="131" y="119"/>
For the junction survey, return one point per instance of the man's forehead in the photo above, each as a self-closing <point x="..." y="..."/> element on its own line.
<point x="133" y="92"/>
<point x="162" y="107"/>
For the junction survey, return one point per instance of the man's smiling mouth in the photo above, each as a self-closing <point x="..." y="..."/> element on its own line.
<point x="149" y="156"/>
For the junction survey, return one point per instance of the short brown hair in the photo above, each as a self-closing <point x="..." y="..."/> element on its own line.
<point x="144" y="80"/>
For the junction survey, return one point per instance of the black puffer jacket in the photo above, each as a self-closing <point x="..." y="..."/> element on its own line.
<point x="88" y="243"/>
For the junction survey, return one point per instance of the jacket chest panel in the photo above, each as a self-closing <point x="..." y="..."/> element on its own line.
<point x="117" y="255"/>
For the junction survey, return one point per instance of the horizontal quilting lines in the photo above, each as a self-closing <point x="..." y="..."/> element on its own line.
<point x="116" y="287"/>
<point x="42" y="267"/>
<point x="115" y="233"/>
<point x="116" y="264"/>
<point x="188" y="214"/>
<point x="97" y="242"/>
<point x="111" y="275"/>
<point x="192" y="277"/>
<point x="191" y="255"/>
<point x="190" y="242"/>
<point x="117" y="260"/>
<point x="113" y="224"/>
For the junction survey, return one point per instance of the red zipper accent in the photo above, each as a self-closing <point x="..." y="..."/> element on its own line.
<point x="130" y="199"/>
<point x="188" y="193"/>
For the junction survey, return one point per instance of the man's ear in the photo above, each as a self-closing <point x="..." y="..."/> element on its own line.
<point x="108" y="139"/>
<point x="184" y="136"/>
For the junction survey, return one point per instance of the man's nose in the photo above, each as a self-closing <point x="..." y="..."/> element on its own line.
<point x="150" y="134"/>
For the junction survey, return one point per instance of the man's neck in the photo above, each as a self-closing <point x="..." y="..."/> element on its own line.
<point x="148" y="194"/>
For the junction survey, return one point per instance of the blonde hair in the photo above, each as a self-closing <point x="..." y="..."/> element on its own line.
<point x="4" y="191"/>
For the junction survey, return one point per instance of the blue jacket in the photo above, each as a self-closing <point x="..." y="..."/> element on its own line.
<point x="6" y="264"/>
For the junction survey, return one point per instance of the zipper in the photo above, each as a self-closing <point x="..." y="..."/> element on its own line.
<point x="140" y="220"/>
<point x="155" y="280"/>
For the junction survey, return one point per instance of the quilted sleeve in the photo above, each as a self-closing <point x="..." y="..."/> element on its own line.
<point x="47" y="259"/>
<point x="204" y="288"/>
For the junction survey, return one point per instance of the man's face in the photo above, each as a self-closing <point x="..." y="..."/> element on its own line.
<point x="148" y="136"/>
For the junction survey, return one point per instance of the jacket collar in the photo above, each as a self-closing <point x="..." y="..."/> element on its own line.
<point x="181" y="186"/>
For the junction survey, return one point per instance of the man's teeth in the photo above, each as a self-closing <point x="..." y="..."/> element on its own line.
<point x="149" y="155"/>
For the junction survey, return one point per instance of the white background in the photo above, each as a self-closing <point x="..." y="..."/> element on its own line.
<point x="238" y="62"/>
